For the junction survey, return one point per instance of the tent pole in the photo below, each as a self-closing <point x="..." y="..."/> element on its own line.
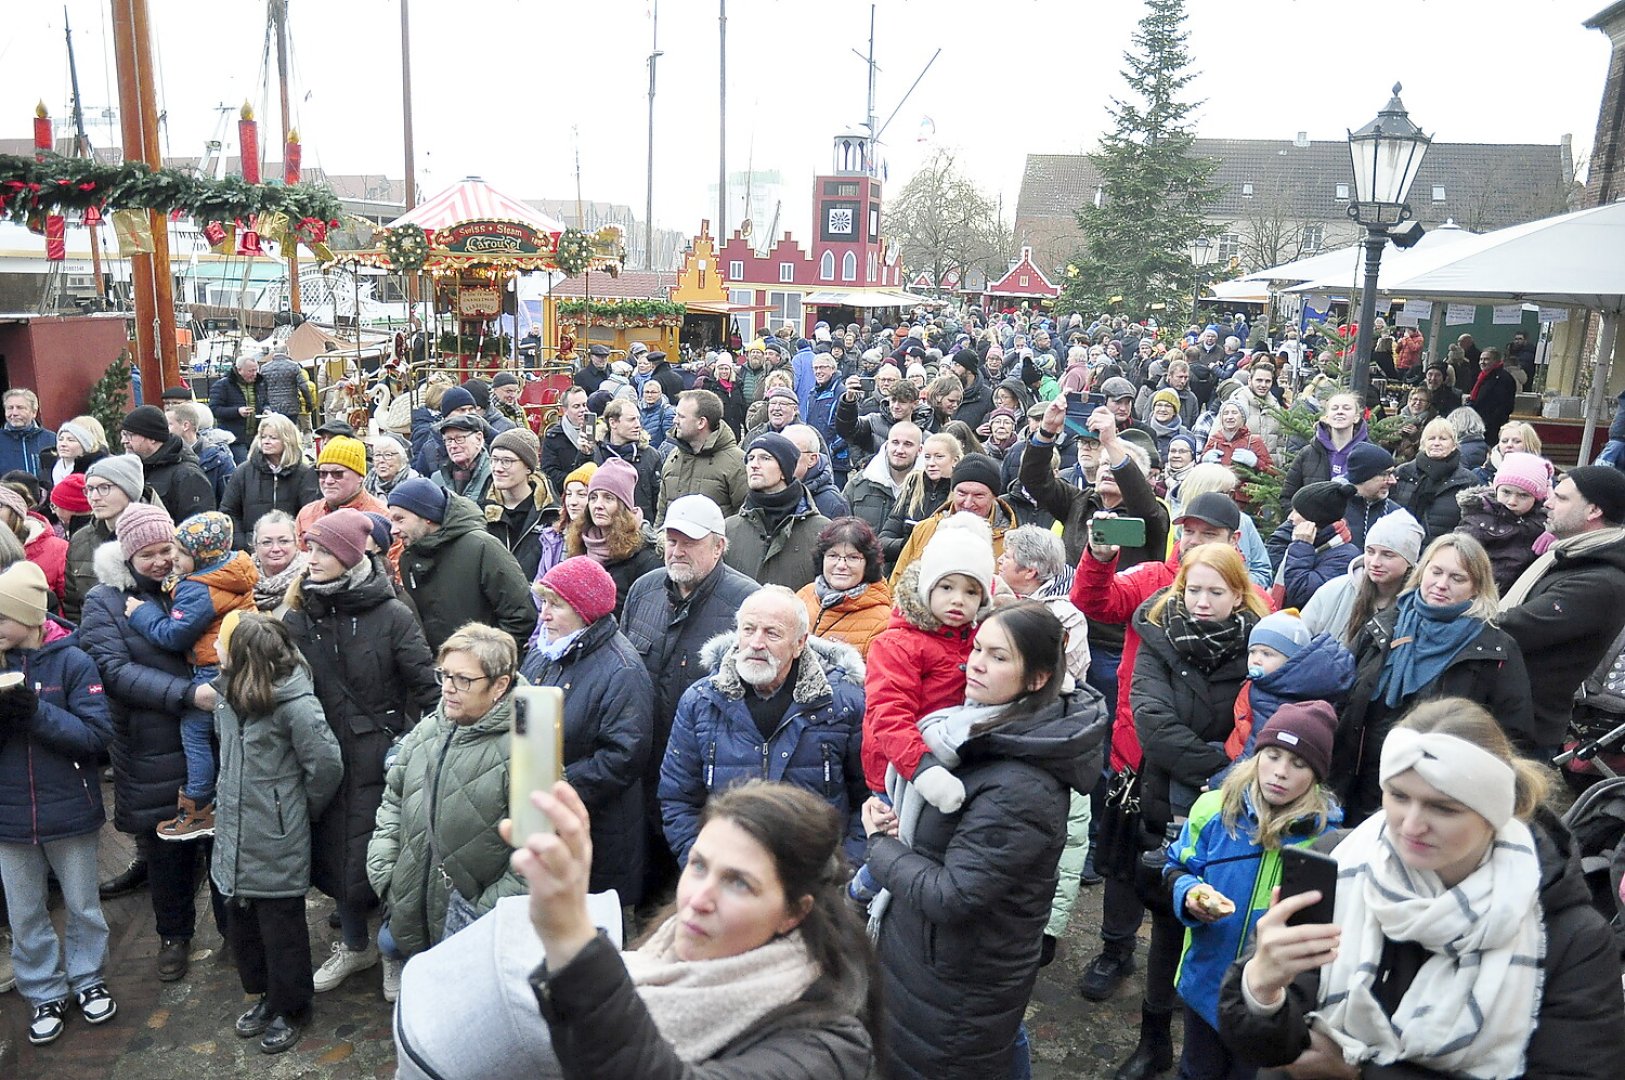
<point x="1599" y="380"/>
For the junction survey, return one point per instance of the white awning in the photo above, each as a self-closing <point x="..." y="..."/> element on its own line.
<point x="862" y="298"/>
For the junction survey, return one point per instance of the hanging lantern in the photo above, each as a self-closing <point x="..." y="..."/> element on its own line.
<point x="248" y="144"/>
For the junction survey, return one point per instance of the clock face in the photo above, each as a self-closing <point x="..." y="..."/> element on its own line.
<point x="840" y="220"/>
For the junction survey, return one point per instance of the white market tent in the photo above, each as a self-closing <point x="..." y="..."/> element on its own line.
<point x="1570" y="260"/>
<point x="1435" y="247"/>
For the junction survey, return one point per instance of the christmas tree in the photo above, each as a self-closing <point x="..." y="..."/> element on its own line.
<point x="110" y="394"/>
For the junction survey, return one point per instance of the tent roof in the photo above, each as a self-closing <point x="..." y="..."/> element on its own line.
<point x="475" y="200"/>
<point x="1344" y="267"/>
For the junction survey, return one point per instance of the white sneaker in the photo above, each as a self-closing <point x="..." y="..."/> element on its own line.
<point x="342" y="964"/>
<point x="392" y="978"/>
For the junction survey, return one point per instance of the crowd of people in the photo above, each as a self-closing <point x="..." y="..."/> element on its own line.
<point x="875" y="646"/>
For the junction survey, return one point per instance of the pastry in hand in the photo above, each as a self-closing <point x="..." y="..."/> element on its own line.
<point x="1212" y="901"/>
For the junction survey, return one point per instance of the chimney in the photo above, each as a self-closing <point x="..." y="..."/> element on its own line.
<point x="1302" y="141"/>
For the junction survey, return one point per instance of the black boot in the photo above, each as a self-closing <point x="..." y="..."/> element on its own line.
<point x="132" y="878"/>
<point x="1155" y="1053"/>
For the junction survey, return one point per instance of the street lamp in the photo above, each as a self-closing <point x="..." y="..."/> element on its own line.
<point x="1386" y="154"/>
<point x="1202" y="252"/>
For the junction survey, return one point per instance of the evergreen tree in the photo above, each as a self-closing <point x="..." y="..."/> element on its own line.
<point x="110" y="394"/>
<point x="1154" y="192"/>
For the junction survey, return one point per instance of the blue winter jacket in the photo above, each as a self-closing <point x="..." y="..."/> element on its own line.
<point x="820" y="414"/>
<point x="1237" y="867"/>
<point x="715" y="744"/>
<point x="1306" y="567"/>
<point x="49" y="788"/>
<point x="20" y="448"/>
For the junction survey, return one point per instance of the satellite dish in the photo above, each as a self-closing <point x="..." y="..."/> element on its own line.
<point x="745" y="229"/>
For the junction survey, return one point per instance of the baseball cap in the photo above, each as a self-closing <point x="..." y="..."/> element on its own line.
<point x="1214" y="507"/>
<point x="695" y="516"/>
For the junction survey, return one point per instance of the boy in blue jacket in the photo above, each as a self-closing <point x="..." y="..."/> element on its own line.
<point x="54" y="721"/>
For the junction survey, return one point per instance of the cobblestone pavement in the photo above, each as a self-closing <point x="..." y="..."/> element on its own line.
<point x="183" y="1029"/>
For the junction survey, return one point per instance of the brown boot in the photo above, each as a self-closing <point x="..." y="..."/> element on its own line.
<point x="191" y="823"/>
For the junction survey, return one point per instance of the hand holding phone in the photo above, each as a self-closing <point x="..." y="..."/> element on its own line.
<point x="1305" y="871"/>
<point x="535" y="758"/>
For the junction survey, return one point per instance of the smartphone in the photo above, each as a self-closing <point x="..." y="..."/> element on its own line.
<point x="1304" y="871"/>
<point x="1118" y="532"/>
<point x="867" y="382"/>
<point x="535" y="756"/>
<point x="1079" y="407"/>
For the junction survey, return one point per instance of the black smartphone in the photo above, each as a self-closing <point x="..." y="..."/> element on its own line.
<point x="867" y="382"/>
<point x="1079" y="407"/>
<point x="1304" y="871"/>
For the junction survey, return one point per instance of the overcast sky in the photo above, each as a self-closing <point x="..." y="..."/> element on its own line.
<point x="501" y="85"/>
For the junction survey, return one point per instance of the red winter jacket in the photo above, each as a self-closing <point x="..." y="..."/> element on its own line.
<point x="1106" y="596"/>
<point x="48" y="551"/>
<point x="915" y="667"/>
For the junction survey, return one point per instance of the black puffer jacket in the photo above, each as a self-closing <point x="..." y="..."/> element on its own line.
<point x="1577" y="1030"/>
<point x="1182" y="716"/>
<point x="174" y="475"/>
<point x="900" y="522"/>
<point x="959" y="944"/>
<point x="147" y="688"/>
<point x="374" y="677"/>
<point x="608" y="731"/>
<point x="254" y="490"/>
<point x="625" y="572"/>
<point x="1429" y="490"/>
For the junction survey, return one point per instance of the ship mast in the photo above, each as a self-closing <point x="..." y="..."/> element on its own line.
<point x="279" y="23"/>
<point x="81" y="147"/>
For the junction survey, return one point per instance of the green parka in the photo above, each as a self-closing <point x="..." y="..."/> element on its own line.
<point x="460" y="573"/>
<point x="452" y="780"/>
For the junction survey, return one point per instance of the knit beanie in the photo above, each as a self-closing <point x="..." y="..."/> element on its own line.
<point x="1304" y="728"/>
<point x="456" y="398"/>
<point x="1166" y="395"/>
<point x="504" y="378"/>
<point x="10" y="500"/>
<point x="123" y="471"/>
<point x="147" y="421"/>
<point x="1603" y="486"/>
<point x="958" y="547"/>
<point x="1188" y="439"/>
<point x="69" y="494"/>
<point x="1366" y="460"/>
<point x="346" y="452"/>
<point x="1003" y="410"/>
<point x="785" y="452"/>
<point x="582" y="474"/>
<point x="583" y="584"/>
<point x="620" y="479"/>
<point x="425" y="498"/>
<point x="142" y="525"/>
<point x="1529" y="473"/>
<point x="206" y="537"/>
<point x="383" y="532"/>
<point x="80" y="433"/>
<point x="1322" y="503"/>
<point x="1282" y="631"/>
<point x="977" y="469"/>
<point x="521" y="443"/>
<point x="344" y="533"/>
<point x="1399" y="532"/>
<point x="23" y="593"/>
<point x="967" y="359"/>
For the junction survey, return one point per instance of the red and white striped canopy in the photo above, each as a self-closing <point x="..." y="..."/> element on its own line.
<point x="475" y="200"/>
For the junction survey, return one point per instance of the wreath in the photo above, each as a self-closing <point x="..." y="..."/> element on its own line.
<point x="407" y="248"/>
<point x="574" y="252"/>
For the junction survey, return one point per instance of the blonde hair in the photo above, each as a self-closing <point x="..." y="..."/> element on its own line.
<point x="94" y="426"/>
<point x="1440" y="426"/>
<point x="1358" y="405"/>
<point x="1273" y="821"/>
<point x="1472" y="723"/>
<point x="1206" y="477"/>
<point x="1476" y="561"/>
<point x="1531" y="438"/>
<point x="1226" y="561"/>
<point x="293" y="443"/>
<point x="913" y="494"/>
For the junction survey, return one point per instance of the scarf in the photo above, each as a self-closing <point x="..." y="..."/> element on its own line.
<point x="1431" y="476"/>
<point x="597" y="545"/>
<point x="828" y="597"/>
<point x="271" y="589"/>
<point x="573" y="433"/>
<point x="1205" y="642"/>
<point x="1472" y="1006"/>
<point x="700" y="1006"/>
<point x="1426" y="638"/>
<point x="553" y="648"/>
<point x="1574" y="545"/>
<point x="777" y="507"/>
<point x="1483" y="378"/>
<point x="373" y="485"/>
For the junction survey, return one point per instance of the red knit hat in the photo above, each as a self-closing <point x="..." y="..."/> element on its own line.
<point x="584" y="585"/>
<point x="69" y="494"/>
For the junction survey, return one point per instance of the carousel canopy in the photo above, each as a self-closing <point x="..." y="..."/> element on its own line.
<point x="475" y="200"/>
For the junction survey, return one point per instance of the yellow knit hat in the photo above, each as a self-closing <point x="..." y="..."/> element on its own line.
<point x="345" y="451"/>
<point x="582" y="475"/>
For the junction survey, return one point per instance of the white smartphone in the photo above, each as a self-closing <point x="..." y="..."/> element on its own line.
<point x="535" y="756"/>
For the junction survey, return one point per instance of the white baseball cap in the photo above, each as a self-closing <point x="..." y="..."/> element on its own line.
<point x="695" y="516"/>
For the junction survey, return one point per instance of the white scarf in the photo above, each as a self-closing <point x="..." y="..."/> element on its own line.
<point x="1574" y="545"/>
<point x="573" y="433"/>
<point x="700" y="1006"/>
<point x="1472" y="1006"/>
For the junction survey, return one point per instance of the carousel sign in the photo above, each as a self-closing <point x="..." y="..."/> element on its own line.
<point x="492" y="238"/>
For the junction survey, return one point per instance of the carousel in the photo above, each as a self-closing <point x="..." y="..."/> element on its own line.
<point x="472" y="242"/>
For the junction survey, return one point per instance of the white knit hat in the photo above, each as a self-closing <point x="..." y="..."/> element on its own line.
<point x="962" y="544"/>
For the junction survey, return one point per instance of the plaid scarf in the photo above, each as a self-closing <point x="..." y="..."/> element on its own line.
<point x="1206" y="643"/>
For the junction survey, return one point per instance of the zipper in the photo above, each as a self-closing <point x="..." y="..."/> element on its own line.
<point x="281" y="826"/>
<point x="710" y="765"/>
<point x="434" y="799"/>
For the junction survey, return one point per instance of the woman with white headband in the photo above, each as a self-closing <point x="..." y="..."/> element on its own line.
<point x="1464" y="944"/>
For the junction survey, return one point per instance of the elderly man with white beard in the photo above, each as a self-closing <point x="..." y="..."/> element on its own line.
<point x="777" y="705"/>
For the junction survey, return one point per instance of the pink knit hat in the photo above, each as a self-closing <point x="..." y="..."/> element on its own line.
<point x="344" y="533"/>
<point x="1526" y="472"/>
<point x="584" y="585"/>
<point x="143" y="524"/>
<point x="618" y="478"/>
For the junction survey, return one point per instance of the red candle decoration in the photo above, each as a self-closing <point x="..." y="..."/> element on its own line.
<point x="292" y="158"/>
<point x="44" y="138"/>
<point x="248" y="143"/>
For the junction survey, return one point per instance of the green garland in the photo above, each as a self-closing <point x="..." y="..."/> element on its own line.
<point x="574" y="252"/>
<point x="624" y="312"/>
<point x="58" y="184"/>
<point x="451" y="344"/>
<point x="407" y="248"/>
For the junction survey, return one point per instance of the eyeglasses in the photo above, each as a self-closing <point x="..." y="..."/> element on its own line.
<point x="837" y="557"/>
<point x="505" y="461"/>
<point x="331" y="474"/>
<point x="96" y="491"/>
<point x="457" y="440"/>
<point x="460" y="683"/>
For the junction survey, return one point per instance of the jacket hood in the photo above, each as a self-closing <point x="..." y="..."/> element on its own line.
<point x="237" y="575"/>
<point x="719" y="440"/>
<point x="1065" y="738"/>
<point x="908" y="610"/>
<point x="1562" y="884"/>
<point x="112" y="569"/>
<point x="216" y="438"/>
<point x="1323" y="670"/>
<point x="820" y="477"/>
<point x="1323" y="434"/>
<point x="821" y="660"/>
<point x="295" y="686"/>
<point x="372" y="589"/>
<point x="171" y="453"/>
<point x="462" y="516"/>
<point x="879" y="472"/>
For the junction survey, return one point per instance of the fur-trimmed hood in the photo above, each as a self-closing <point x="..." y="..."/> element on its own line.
<point x="112" y="568"/>
<point x="909" y="607"/>
<point x="820" y="660"/>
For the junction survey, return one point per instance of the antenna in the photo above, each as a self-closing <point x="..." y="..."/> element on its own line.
<point x="871" y="165"/>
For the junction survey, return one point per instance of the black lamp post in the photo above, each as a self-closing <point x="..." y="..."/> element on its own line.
<point x="1386" y="153"/>
<point x="1202" y="252"/>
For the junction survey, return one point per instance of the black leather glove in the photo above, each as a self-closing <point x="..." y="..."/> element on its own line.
<point x="17" y="705"/>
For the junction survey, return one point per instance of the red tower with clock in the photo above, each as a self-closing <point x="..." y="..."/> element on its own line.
<point x="847" y="249"/>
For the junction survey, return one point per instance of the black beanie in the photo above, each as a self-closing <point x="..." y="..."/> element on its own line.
<point x="147" y="421"/>
<point x="1322" y="503"/>
<point x="967" y="359"/>
<point x="977" y="469"/>
<point x="1603" y="486"/>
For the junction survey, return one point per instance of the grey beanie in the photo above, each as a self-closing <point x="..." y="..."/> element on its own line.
<point x="123" y="471"/>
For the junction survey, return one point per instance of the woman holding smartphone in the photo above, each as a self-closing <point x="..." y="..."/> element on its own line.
<point x="1465" y="943"/>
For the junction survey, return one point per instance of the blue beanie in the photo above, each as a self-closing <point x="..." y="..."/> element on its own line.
<point x="425" y="498"/>
<point x="382" y="534"/>
<point x="785" y="452"/>
<point x="1188" y="439"/>
<point x="456" y="398"/>
<point x="1281" y="631"/>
